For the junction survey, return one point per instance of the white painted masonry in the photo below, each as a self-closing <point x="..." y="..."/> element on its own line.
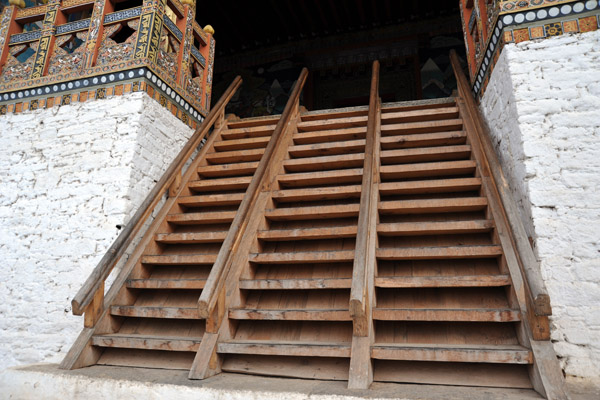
<point x="68" y="176"/>
<point x="543" y="107"/>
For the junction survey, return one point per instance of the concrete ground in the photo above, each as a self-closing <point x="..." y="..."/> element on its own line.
<point x="46" y="381"/>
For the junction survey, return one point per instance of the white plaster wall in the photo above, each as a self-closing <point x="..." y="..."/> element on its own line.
<point x="543" y="107"/>
<point x="68" y="176"/>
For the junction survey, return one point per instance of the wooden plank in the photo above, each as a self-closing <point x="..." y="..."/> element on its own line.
<point x="253" y="122"/>
<point x="308" y="233"/>
<point x="294" y="284"/>
<point x="155" y="312"/>
<point x="179" y="259"/>
<point x="206" y="362"/>
<point x="235" y="156"/>
<point x="249" y="132"/>
<point x="223" y="170"/>
<point x="265" y="347"/>
<point x="320" y="178"/>
<point x="435" y="228"/>
<point x="201" y="218"/>
<point x="425" y="154"/>
<point x="326" y="149"/>
<point x="242" y="144"/>
<point x="421" y="127"/>
<point x="213" y="185"/>
<point x="417" y="105"/>
<point x="423" y="140"/>
<point x="191" y="237"/>
<point x="334" y="113"/>
<point x="319" y="193"/>
<point x="330" y="136"/>
<point x="302" y="257"/>
<point x="460" y="314"/>
<point x="360" y="375"/>
<point x="502" y="354"/>
<point x="419" y="115"/>
<point x="335" y="123"/>
<point x="300" y="213"/>
<point x="177" y="360"/>
<point x="439" y="253"/>
<point x="211" y="200"/>
<point x="429" y="206"/>
<point x="294" y="367"/>
<point x="324" y="163"/>
<point x="442" y="281"/>
<point x="551" y="379"/>
<point x="289" y="315"/>
<point x="431" y="186"/>
<point x="438" y="169"/>
<point x="137" y="341"/>
<point x="165" y="283"/>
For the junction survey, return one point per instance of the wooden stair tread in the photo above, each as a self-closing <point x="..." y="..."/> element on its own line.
<point x="310" y="283"/>
<point x="147" y="342"/>
<point x="216" y="217"/>
<point x="331" y="148"/>
<point x="419" y="115"/>
<point x="242" y="144"/>
<point x="266" y="347"/>
<point x="290" y="314"/>
<point x="334" y="123"/>
<point x="423" y="206"/>
<point x="248" y="132"/>
<point x="298" y="213"/>
<point x="335" y="113"/>
<point x="442" y="168"/>
<point x="438" y="253"/>
<point x="411" y="106"/>
<point x="443" y="314"/>
<point x="179" y="259"/>
<point x="318" y="178"/>
<point x="235" y="156"/>
<point x="222" y="170"/>
<point x="191" y="237"/>
<point x="165" y="283"/>
<point x="423" y="140"/>
<point x="434" y="228"/>
<point x="442" y="281"/>
<point x="308" y="233"/>
<point x="211" y="200"/>
<point x="222" y="184"/>
<point x="324" y="162"/>
<point x="155" y="312"/>
<point x="304" y="138"/>
<point x="423" y="154"/>
<point x="320" y="193"/>
<point x="421" y="127"/>
<point x="253" y="121"/>
<point x="430" y="186"/>
<point x="301" y="257"/>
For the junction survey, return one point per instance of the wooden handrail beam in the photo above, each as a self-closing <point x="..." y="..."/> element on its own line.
<point x="532" y="277"/>
<point x="215" y="282"/>
<point x="95" y="281"/>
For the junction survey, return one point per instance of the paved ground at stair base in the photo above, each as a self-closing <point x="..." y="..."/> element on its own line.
<point x="100" y="382"/>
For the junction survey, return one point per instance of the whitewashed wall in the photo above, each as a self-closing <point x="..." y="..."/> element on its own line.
<point x="68" y="176"/>
<point x="543" y="107"/>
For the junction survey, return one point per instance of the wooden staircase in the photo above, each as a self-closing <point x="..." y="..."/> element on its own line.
<point x="364" y="244"/>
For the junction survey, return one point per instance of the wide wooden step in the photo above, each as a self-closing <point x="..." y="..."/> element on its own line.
<point x="179" y="259"/>
<point x="333" y="232"/>
<point x="329" y="136"/>
<point x="443" y="168"/>
<point x="248" y="132"/>
<point x="359" y="111"/>
<point x="435" y="314"/>
<point x="419" y="115"/>
<point x="321" y="178"/>
<point x="155" y="312"/>
<point x="211" y="200"/>
<point x="303" y="257"/>
<point x="146" y="342"/>
<point x="430" y="186"/>
<point x="324" y="163"/>
<point x="423" y="140"/>
<point x="475" y="353"/>
<point x="191" y="237"/>
<point x="242" y="144"/>
<point x="296" y="284"/>
<point x="254" y="121"/>
<point x="421" y="127"/>
<point x="320" y="193"/>
<point x="235" y="156"/>
<point x="224" y="184"/>
<point x="429" y="206"/>
<point x="434" y="228"/>
<point x="334" y="123"/>
<point x="224" y="170"/>
<point x="326" y="149"/>
<point x="294" y="349"/>
<point x="300" y="213"/>
<point x="425" y="154"/>
<point x="166" y="283"/>
<point x="289" y="314"/>
<point x="202" y="218"/>
<point x="442" y="281"/>
<point x="439" y="253"/>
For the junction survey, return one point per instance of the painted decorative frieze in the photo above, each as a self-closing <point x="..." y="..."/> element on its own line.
<point x="54" y="53"/>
